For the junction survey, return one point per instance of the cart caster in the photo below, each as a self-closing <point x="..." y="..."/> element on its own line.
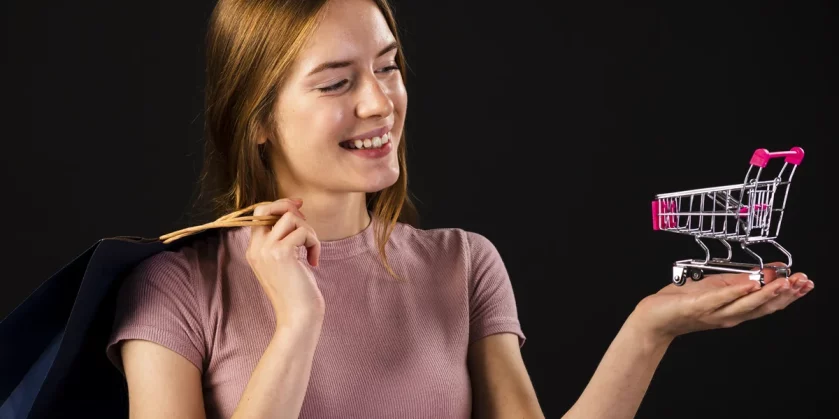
<point x="757" y="276"/>
<point x="696" y="274"/>
<point x="680" y="275"/>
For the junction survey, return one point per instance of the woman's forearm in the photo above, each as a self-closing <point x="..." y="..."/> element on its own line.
<point x="278" y="383"/>
<point x="623" y="376"/>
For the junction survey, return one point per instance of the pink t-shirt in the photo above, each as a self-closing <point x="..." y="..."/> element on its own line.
<point x="387" y="349"/>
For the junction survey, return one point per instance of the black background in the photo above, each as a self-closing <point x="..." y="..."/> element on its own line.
<point x="102" y="135"/>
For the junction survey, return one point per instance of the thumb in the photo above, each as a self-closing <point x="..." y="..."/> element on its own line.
<point x="719" y="297"/>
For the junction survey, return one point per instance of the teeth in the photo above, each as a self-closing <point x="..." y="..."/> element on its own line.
<point x="374" y="142"/>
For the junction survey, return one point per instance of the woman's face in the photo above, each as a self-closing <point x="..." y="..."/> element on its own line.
<point x="344" y="91"/>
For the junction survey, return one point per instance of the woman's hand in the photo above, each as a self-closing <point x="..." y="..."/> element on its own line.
<point x="717" y="301"/>
<point x="285" y="279"/>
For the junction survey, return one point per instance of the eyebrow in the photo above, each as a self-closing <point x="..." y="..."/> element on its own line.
<point x="341" y="64"/>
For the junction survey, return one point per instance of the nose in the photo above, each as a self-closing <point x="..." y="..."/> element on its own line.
<point x="373" y="100"/>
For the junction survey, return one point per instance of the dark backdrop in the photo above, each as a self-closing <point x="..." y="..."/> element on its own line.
<point x="103" y="127"/>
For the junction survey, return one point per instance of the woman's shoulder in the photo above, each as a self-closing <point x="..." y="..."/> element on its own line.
<point x="469" y="243"/>
<point x="192" y="254"/>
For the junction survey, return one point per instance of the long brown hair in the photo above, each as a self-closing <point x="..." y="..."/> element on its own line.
<point x="250" y="48"/>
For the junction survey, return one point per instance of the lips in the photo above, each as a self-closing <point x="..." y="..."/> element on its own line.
<point x="374" y="152"/>
<point x="370" y="140"/>
<point x="370" y="134"/>
<point x="367" y="143"/>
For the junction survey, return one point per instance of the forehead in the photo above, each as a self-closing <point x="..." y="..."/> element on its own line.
<point x="348" y="29"/>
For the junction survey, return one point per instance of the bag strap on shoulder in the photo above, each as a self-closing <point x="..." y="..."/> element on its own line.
<point x="234" y="219"/>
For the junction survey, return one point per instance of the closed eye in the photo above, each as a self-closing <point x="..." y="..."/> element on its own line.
<point x="389" y="69"/>
<point x="333" y="87"/>
<point x="340" y="84"/>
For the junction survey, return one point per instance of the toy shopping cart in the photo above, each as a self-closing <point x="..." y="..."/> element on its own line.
<point x="744" y="213"/>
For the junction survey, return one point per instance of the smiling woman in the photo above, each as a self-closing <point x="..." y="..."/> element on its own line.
<point x="331" y="301"/>
<point x="343" y="307"/>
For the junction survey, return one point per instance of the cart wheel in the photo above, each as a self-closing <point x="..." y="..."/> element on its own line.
<point x="696" y="274"/>
<point x="679" y="280"/>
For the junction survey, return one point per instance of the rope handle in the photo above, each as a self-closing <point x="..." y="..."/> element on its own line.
<point x="234" y="219"/>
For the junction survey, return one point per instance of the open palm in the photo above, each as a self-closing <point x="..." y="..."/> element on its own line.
<point x="719" y="301"/>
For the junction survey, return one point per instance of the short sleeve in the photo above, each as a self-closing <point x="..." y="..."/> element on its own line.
<point x="157" y="303"/>
<point x="492" y="304"/>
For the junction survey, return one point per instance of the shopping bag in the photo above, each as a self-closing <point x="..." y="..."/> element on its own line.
<point x="52" y="345"/>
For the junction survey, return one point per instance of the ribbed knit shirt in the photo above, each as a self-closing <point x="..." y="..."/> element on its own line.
<point x="387" y="349"/>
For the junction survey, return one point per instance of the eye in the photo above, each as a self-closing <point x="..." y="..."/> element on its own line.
<point x="333" y="87"/>
<point x="389" y="69"/>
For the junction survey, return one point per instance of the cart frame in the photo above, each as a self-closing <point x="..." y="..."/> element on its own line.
<point x="742" y="213"/>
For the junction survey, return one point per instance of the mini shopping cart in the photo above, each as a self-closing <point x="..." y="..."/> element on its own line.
<point x="744" y="213"/>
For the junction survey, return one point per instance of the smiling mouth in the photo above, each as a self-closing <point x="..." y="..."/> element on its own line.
<point x="367" y="143"/>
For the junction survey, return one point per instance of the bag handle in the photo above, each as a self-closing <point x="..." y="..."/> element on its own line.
<point x="234" y="219"/>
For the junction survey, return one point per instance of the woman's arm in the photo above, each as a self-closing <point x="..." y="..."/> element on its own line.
<point x="623" y="376"/>
<point x="278" y="383"/>
<point x="162" y="383"/>
<point x="718" y="301"/>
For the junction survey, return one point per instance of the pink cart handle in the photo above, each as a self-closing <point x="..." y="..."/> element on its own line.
<point x="762" y="156"/>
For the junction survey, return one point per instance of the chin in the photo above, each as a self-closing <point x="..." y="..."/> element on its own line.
<point x="380" y="180"/>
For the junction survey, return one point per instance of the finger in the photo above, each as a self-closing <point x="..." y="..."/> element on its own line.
<point x="291" y="231"/>
<point x="278" y="208"/>
<point x="287" y="223"/>
<point x="800" y="284"/>
<point x="781" y="302"/>
<point x="716" y="298"/>
<point x="305" y="237"/>
<point x="754" y="300"/>
<point x="769" y="272"/>
<point x="807" y="286"/>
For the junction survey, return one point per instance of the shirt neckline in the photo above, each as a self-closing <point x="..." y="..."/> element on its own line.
<point x="332" y="249"/>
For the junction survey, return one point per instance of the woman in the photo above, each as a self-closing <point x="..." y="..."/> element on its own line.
<point x="343" y="308"/>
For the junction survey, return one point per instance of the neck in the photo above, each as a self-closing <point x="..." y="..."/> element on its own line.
<point x="333" y="216"/>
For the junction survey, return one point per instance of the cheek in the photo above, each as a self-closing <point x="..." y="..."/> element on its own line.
<point x="331" y="122"/>
<point x="313" y="127"/>
<point x="399" y="96"/>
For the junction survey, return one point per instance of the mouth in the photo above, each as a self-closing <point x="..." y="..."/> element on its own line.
<point x="371" y="140"/>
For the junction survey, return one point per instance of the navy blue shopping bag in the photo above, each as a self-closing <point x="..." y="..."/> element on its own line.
<point x="52" y="346"/>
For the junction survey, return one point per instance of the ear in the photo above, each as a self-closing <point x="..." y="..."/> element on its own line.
<point x="261" y="136"/>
